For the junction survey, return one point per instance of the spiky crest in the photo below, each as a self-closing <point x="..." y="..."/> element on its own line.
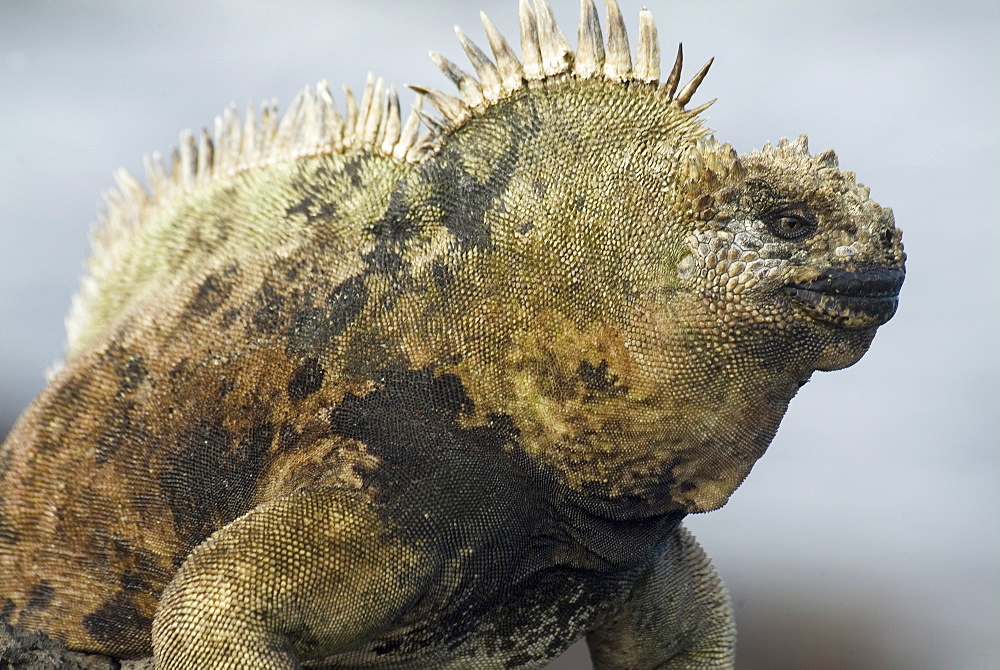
<point x="799" y="148"/>
<point x="708" y="158"/>
<point x="313" y="125"/>
<point x="545" y="54"/>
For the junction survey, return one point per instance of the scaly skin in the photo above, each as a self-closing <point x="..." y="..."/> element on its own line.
<point x="394" y="405"/>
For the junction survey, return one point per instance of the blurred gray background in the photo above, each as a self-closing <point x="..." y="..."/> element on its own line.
<point x="868" y="536"/>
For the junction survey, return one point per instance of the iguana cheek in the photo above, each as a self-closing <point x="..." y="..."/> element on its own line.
<point x="728" y="264"/>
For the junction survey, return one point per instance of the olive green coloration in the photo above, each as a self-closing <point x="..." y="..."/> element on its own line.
<point x="337" y="395"/>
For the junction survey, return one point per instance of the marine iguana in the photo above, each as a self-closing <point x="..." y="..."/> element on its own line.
<point x="341" y="394"/>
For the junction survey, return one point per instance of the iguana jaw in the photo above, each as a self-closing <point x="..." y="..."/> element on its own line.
<point x="852" y="299"/>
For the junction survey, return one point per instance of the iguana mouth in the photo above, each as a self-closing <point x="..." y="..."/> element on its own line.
<point x="851" y="298"/>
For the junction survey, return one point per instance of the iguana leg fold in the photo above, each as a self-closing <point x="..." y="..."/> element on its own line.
<point x="678" y="617"/>
<point x="307" y="575"/>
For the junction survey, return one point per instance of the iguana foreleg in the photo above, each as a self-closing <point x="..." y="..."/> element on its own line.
<point x="308" y="575"/>
<point x="679" y="617"/>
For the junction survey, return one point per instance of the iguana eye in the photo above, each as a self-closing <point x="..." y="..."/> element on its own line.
<point x="789" y="225"/>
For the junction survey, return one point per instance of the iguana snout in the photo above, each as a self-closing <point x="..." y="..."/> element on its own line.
<point x="853" y="299"/>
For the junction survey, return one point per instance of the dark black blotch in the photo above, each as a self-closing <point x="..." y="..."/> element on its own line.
<point x="288" y="438"/>
<point x="345" y="302"/>
<point x="63" y="411"/>
<point x="303" y="207"/>
<point x="463" y="199"/>
<point x="229" y="317"/>
<point x="118" y="620"/>
<point x="443" y="276"/>
<point x="596" y="378"/>
<point x="313" y="186"/>
<point x="315" y="207"/>
<point x="40" y="596"/>
<point x="180" y="370"/>
<point x="212" y="293"/>
<point x="310" y="330"/>
<point x="209" y="478"/>
<point x="267" y="316"/>
<point x="8" y="535"/>
<point x="249" y="458"/>
<point x="117" y="428"/>
<point x="352" y="170"/>
<point x="131" y="375"/>
<point x="308" y="379"/>
<point x="314" y="328"/>
<point x="133" y="581"/>
<point x="428" y="460"/>
<point x="387" y="647"/>
<point x="391" y="233"/>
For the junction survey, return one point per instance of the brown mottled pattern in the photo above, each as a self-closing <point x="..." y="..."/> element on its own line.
<point x="358" y="410"/>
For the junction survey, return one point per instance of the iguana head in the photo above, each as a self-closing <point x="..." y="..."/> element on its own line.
<point x="789" y="267"/>
<point x="792" y="242"/>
